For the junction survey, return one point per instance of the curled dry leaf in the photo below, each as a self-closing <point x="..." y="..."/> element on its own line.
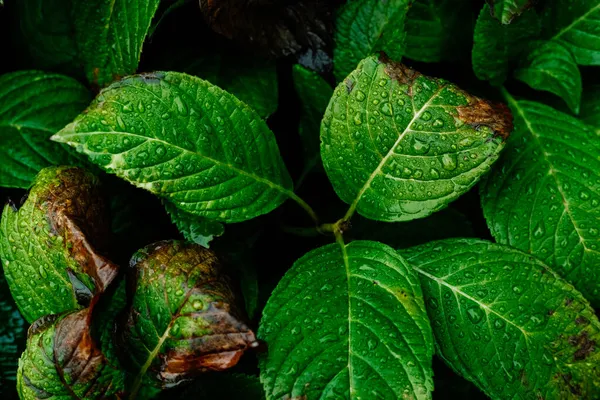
<point x="62" y="360"/>
<point x="182" y="317"/>
<point x="297" y="27"/>
<point x="49" y="245"/>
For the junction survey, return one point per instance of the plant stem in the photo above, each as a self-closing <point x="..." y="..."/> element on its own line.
<point x="301" y="231"/>
<point x="305" y="206"/>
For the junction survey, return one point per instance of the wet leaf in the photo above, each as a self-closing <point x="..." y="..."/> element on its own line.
<point x="542" y="196"/>
<point x="196" y="229"/>
<point x="506" y="10"/>
<point x="49" y="246"/>
<point x="398" y="145"/>
<point x="590" y="106"/>
<point x="549" y="66"/>
<point x="365" y="27"/>
<point x="183" y="318"/>
<point x="347" y="322"/>
<point x="33" y="106"/>
<point x="497" y="47"/>
<point x="62" y="360"/>
<point x="507" y="322"/>
<point x="185" y="140"/>
<point x="12" y="341"/>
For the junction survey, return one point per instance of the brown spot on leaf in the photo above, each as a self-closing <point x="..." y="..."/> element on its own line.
<point x="568" y="301"/>
<point x="398" y="71"/>
<point x="480" y="112"/>
<point x="551" y="312"/>
<point x="582" y="320"/>
<point x="585" y="346"/>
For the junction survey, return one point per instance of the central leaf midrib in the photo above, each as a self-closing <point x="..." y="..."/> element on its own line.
<point x="575" y="22"/>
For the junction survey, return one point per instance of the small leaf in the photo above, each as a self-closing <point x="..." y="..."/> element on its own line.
<point x="576" y="25"/>
<point x="542" y="196"/>
<point x="196" y="229"/>
<point x="185" y="140"/>
<point x="48" y="246"/>
<point x="63" y="361"/>
<point x="12" y="341"/>
<point x="314" y="93"/>
<point x="590" y="107"/>
<point x="340" y="315"/>
<point x="496" y="47"/>
<point x="33" y="106"/>
<point x="365" y="27"/>
<point x="506" y="322"/>
<point x="398" y="145"/>
<point x="183" y="319"/>
<point x="438" y="30"/>
<point x="549" y="66"/>
<point x="506" y="10"/>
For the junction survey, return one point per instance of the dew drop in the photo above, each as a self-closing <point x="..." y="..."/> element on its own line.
<point x="360" y="96"/>
<point x="475" y="314"/>
<point x="449" y="162"/>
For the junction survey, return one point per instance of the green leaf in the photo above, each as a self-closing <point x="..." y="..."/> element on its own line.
<point x="183" y="318"/>
<point x="48" y="246"/>
<point x="33" y="106"/>
<point x="506" y="322"/>
<point x="496" y="47"/>
<point x="12" y="341"/>
<point x="185" y="140"/>
<point x="398" y="145"/>
<point x="590" y="107"/>
<point x="506" y="10"/>
<point x="347" y="322"/>
<point x="249" y="78"/>
<point x="549" y="66"/>
<point x="576" y="25"/>
<point x="314" y="93"/>
<point x="543" y="198"/>
<point x="62" y="361"/>
<point x="438" y="30"/>
<point x="196" y="229"/>
<point x="365" y="27"/>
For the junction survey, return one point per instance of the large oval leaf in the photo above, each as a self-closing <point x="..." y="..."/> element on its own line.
<point x="48" y="246"/>
<point x="542" y="197"/>
<point x="33" y="106"/>
<point x="347" y="323"/>
<point x="183" y="318"/>
<point x="506" y="322"/>
<point x="187" y="140"/>
<point x="398" y="145"/>
<point x="62" y="361"/>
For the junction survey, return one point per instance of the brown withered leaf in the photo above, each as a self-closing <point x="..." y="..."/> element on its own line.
<point x="52" y="246"/>
<point x="182" y="319"/>
<point x="63" y="360"/>
<point x="277" y="28"/>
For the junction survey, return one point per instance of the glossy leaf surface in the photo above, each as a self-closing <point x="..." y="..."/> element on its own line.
<point x="507" y="10"/>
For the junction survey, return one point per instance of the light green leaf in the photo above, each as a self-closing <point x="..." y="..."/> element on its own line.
<point x="549" y="66"/>
<point x="576" y="25"/>
<point x="506" y="322"/>
<point x="12" y="341"/>
<point x="49" y="263"/>
<point x="506" y="10"/>
<point x="347" y="322"/>
<point x="62" y="361"/>
<point x="496" y="47"/>
<point x="183" y="319"/>
<point x="185" y="140"/>
<point x="33" y="106"/>
<point x="365" y="27"/>
<point x="398" y="145"/>
<point x="543" y="196"/>
<point x="196" y="229"/>
<point x="314" y="93"/>
<point x="438" y="30"/>
<point x="590" y="107"/>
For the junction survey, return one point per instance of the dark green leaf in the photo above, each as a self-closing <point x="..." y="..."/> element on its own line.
<point x="62" y="361"/>
<point x="576" y="25"/>
<point x="365" y="27"/>
<point x="183" y="319"/>
<point x="496" y="47"/>
<point x="506" y="10"/>
<point x="347" y="322"/>
<point x="542" y="197"/>
<point x="48" y="246"/>
<point x="196" y="229"/>
<point x="438" y="30"/>
<point x="33" y="106"/>
<point x="506" y="322"/>
<point x="549" y="66"/>
<point x="185" y="140"/>
<point x="590" y="106"/>
<point x="398" y="145"/>
<point x="12" y="341"/>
